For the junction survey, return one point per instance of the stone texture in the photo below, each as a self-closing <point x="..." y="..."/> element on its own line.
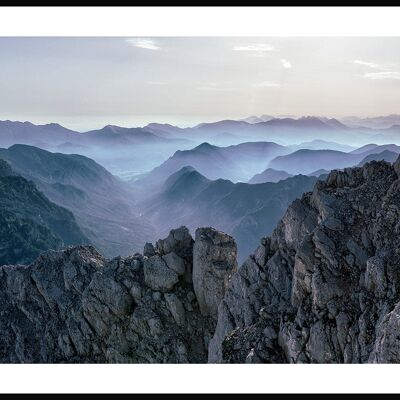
<point x="149" y="250"/>
<point x="325" y="288"/>
<point x="178" y="241"/>
<point x="176" y="308"/>
<point x="76" y="306"/>
<point x="175" y="263"/>
<point x="214" y="262"/>
<point x="158" y="276"/>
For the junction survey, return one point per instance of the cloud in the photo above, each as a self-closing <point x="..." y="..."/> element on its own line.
<point x="255" y="49"/>
<point x="266" y="84"/>
<point x="385" y="71"/>
<point x="143" y="43"/>
<point x="286" y="64"/>
<point x="368" y="64"/>
<point x="382" y="75"/>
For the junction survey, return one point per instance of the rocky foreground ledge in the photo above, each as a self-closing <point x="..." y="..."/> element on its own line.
<point x="76" y="306"/>
<point x="325" y="287"/>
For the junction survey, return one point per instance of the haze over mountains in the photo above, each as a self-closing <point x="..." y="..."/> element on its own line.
<point x="270" y="175"/>
<point x="102" y="204"/>
<point x="235" y="175"/>
<point x="237" y="163"/>
<point x="143" y="148"/>
<point x="247" y="211"/>
<point x="380" y="122"/>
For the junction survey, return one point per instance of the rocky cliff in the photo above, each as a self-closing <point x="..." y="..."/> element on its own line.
<point x="325" y="287"/>
<point x="76" y="306"/>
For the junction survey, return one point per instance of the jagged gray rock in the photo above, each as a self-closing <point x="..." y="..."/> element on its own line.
<point x="325" y="288"/>
<point x="149" y="250"/>
<point x="214" y="262"/>
<point x="176" y="308"/>
<point x="158" y="276"/>
<point x="77" y="306"/>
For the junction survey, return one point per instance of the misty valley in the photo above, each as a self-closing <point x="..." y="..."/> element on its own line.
<point x="120" y="188"/>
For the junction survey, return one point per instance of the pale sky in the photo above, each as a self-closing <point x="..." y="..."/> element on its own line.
<point x="86" y="83"/>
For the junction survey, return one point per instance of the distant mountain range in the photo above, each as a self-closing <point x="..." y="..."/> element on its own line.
<point x="269" y="175"/>
<point x="106" y="208"/>
<point x="103" y="206"/>
<point x="385" y="155"/>
<point x="374" y="149"/>
<point x="29" y="222"/>
<point x="318" y="144"/>
<point x="12" y="132"/>
<point x="254" y="119"/>
<point x="236" y="163"/>
<point x="307" y="161"/>
<point x="141" y="149"/>
<point x="116" y="135"/>
<point x="379" y="122"/>
<point x="287" y="130"/>
<point x="144" y="145"/>
<point x="248" y="211"/>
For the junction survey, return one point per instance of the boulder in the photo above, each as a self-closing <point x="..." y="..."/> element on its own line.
<point x="158" y="276"/>
<point x="214" y="262"/>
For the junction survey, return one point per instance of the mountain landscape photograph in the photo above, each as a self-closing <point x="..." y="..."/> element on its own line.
<point x="188" y="199"/>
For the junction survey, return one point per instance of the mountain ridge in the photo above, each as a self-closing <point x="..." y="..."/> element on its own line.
<point x="188" y="198"/>
<point x="323" y="288"/>
<point x="102" y="204"/>
<point x="30" y="223"/>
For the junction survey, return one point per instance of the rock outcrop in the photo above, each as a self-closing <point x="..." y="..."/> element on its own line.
<point x="76" y="306"/>
<point x="214" y="262"/>
<point x="324" y="288"/>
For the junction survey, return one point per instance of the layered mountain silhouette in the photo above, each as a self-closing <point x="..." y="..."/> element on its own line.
<point x="12" y="132"/>
<point x="247" y="211"/>
<point x="106" y="208"/>
<point x="147" y="147"/>
<point x="142" y="149"/>
<point x="236" y="163"/>
<point x="375" y="149"/>
<point x="319" y="172"/>
<point x="318" y="144"/>
<point x="385" y="155"/>
<point x="119" y="136"/>
<point x="270" y="175"/>
<point x="307" y="161"/>
<point x="163" y="130"/>
<point x="379" y="122"/>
